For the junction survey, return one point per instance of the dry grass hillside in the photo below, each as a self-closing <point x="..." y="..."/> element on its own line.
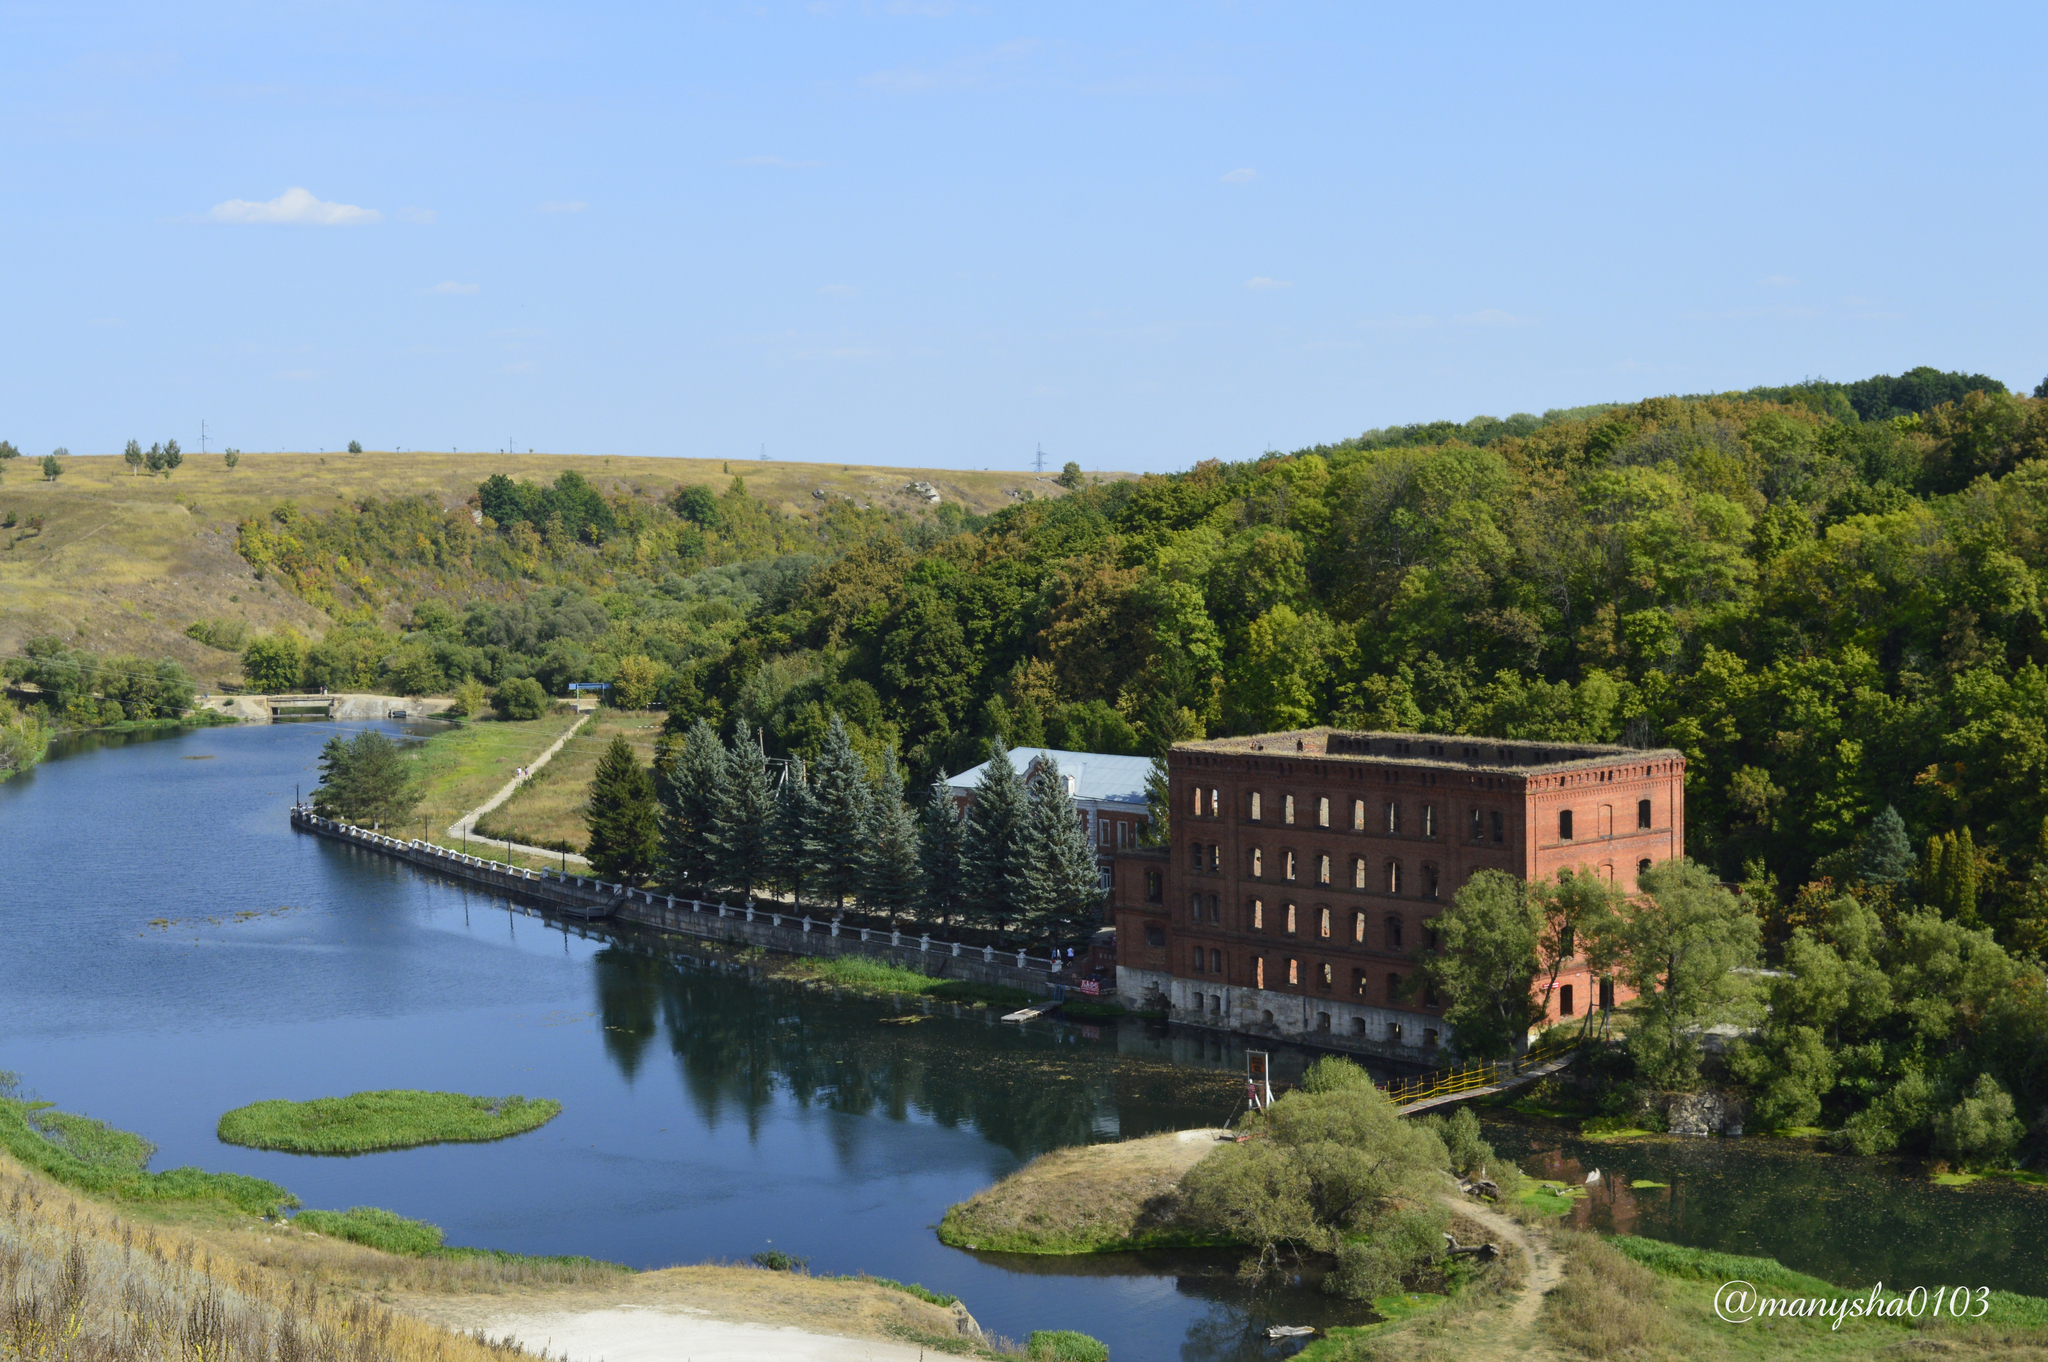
<point x="121" y="563"/>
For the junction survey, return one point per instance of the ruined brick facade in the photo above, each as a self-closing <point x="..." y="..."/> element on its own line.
<point x="1306" y="866"/>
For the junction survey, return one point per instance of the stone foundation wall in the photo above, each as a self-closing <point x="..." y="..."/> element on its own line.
<point x="1329" y="1023"/>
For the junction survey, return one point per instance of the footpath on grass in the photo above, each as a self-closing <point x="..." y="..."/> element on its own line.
<point x="465" y="826"/>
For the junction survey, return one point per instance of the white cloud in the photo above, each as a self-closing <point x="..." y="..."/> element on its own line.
<point x="450" y="286"/>
<point x="1263" y="282"/>
<point x="564" y="206"/>
<point x="1492" y="316"/>
<point x="295" y="206"/>
<point x="1242" y="175"/>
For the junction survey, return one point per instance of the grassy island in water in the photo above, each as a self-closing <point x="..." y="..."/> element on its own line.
<point x="395" y="1119"/>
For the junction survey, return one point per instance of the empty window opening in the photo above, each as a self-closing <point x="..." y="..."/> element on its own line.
<point x="1358" y="982"/>
<point x="1429" y="1038"/>
<point x="1215" y="962"/>
<point x="1215" y="803"/>
<point x="1199" y="958"/>
<point x="1393" y="817"/>
<point x="1429" y="820"/>
<point x="1393" y="932"/>
<point x="1322" y="1021"/>
<point x="1258" y="915"/>
<point x="1198" y="801"/>
<point x="1500" y="832"/>
<point x="1642" y="813"/>
<point x="1564" y="1000"/>
<point x="1155" y="936"/>
<point x="1325" y="979"/>
<point x="1290" y="865"/>
<point x="1643" y="866"/>
<point x="1431" y="881"/>
<point x="1287" y="808"/>
<point x="1323" y="811"/>
<point x="1293" y="971"/>
<point x="1290" y="919"/>
<point x="1393" y="877"/>
<point x="1194" y="855"/>
<point x="1323" y="868"/>
<point x="1258" y="863"/>
<point x="1259" y="974"/>
<point x="1564" y="825"/>
<point x="1358" y="815"/>
<point x="1358" y="872"/>
<point x="1325" y="931"/>
<point x="1358" y="928"/>
<point x="1394" y="1032"/>
<point x="1358" y="1026"/>
<point x="1215" y="856"/>
<point x="1255" y="806"/>
<point x="1478" y="826"/>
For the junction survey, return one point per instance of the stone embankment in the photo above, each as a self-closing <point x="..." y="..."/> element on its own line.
<point x="744" y="925"/>
<point x="352" y="707"/>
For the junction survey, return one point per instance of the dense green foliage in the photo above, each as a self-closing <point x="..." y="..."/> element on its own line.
<point x="1064" y="1345"/>
<point x="87" y="689"/>
<point x="366" y="779"/>
<point x="1900" y="1028"/>
<point x="101" y="1161"/>
<point x="24" y="737"/>
<point x="1332" y="1168"/>
<point x="1016" y="861"/>
<point x="390" y="1119"/>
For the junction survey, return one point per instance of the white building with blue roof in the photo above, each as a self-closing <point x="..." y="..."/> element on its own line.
<point x="1108" y="791"/>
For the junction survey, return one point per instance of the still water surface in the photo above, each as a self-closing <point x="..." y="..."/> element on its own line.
<point x="173" y="949"/>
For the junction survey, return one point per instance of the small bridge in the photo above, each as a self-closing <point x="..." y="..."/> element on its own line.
<point x="1446" y="1086"/>
<point x="300" y="706"/>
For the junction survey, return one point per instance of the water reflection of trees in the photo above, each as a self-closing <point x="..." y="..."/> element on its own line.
<point x="740" y="1043"/>
<point x="1849" y="1220"/>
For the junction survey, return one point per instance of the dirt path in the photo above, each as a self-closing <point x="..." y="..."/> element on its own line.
<point x="465" y="826"/>
<point x="1514" y="1334"/>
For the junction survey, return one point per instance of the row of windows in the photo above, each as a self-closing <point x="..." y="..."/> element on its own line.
<point x="1325" y="922"/>
<point x="1213" y="1005"/>
<point x="1391" y="878"/>
<point x="1482" y="821"/>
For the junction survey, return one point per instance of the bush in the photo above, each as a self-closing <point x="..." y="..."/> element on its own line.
<point x="776" y="1261"/>
<point x="272" y="663"/>
<point x="1065" y="1345"/>
<point x="520" y="698"/>
<point x="1981" y="1129"/>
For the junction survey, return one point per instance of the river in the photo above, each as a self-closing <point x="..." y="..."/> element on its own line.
<point x="175" y="950"/>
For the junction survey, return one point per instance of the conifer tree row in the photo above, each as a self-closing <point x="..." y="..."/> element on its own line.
<point x="1017" y="862"/>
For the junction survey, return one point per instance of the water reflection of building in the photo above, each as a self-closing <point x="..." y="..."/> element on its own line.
<point x="1306" y="867"/>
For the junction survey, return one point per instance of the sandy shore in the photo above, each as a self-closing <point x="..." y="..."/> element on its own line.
<point x="629" y="1334"/>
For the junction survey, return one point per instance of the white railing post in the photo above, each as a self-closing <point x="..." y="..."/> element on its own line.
<point x="988" y="955"/>
<point x="956" y="949"/>
<point x="1020" y="959"/>
<point x="924" y="943"/>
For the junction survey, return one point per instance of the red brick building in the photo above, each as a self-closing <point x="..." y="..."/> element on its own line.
<point x="1306" y="866"/>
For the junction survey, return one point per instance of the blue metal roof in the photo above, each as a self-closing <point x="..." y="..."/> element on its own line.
<point x="1097" y="776"/>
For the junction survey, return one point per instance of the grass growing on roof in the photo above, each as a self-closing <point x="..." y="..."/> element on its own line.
<point x="391" y="1119"/>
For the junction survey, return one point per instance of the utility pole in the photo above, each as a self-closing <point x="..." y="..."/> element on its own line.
<point x="202" y="437"/>
<point x="1039" y="462"/>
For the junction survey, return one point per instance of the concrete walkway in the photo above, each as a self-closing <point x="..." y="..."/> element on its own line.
<point x="465" y="826"/>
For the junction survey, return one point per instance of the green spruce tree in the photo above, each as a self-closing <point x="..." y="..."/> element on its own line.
<point x="690" y="785"/>
<point x="1885" y="855"/>
<point x="1158" y="827"/>
<point x="998" y="854"/>
<point x="941" y="855"/>
<point x="892" y="865"/>
<point x="1063" y="885"/>
<point x="1948" y="877"/>
<point x="366" y="779"/>
<point x="625" y="838"/>
<point x="839" y="832"/>
<point x="743" y="828"/>
<point x="790" y="851"/>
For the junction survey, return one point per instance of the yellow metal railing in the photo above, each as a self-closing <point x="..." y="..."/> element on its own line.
<point x="1472" y="1077"/>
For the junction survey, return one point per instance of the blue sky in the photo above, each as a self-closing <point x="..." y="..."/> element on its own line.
<point x="945" y="233"/>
